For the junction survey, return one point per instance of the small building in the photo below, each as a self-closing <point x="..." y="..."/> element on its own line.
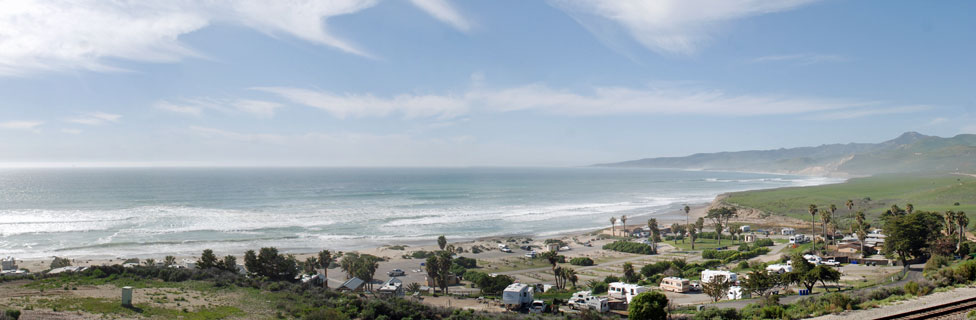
<point x="8" y="264"/>
<point x="451" y="280"/>
<point x="749" y="238"/>
<point x="787" y="231"/>
<point x="625" y="291"/>
<point x="392" y="288"/>
<point x="189" y="264"/>
<point x="517" y="295"/>
<point x="552" y="247"/>
<point x="352" y="285"/>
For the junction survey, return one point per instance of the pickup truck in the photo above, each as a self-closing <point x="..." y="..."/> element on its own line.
<point x="831" y="262"/>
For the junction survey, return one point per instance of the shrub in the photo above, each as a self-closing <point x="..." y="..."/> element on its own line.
<point x="611" y="279"/>
<point x="935" y="262"/>
<point x="765" y="242"/>
<point x="629" y="247"/>
<point x="599" y="287"/>
<point x="421" y="254"/>
<point x="11" y="314"/>
<point x="712" y="313"/>
<point x="581" y="261"/>
<point x="466" y="263"/>
<point x="59" y="262"/>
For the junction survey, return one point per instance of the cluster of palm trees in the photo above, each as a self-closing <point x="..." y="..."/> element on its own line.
<point x="955" y="224"/>
<point x="827" y="223"/>
<point x="562" y="274"/>
<point x="613" y="223"/>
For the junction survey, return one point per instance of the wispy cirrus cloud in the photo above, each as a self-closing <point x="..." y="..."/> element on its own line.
<point x="802" y="58"/>
<point x="860" y="113"/>
<point x="667" y="26"/>
<point x="196" y="107"/>
<point x="21" y="125"/>
<point x="444" y="11"/>
<point x="39" y="36"/>
<point x="95" y="118"/>
<point x="597" y="101"/>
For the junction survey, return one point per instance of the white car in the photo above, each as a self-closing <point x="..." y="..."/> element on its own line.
<point x="530" y="254"/>
<point x="538" y="306"/>
<point x="506" y="250"/>
<point x="831" y="262"/>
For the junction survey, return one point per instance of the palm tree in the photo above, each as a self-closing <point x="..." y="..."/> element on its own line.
<point x="613" y="223"/>
<point x="813" y="221"/>
<point x="553" y="258"/>
<point x="950" y="222"/>
<point x="825" y="217"/>
<point x="962" y="221"/>
<point x="687" y="215"/>
<point x="674" y="232"/>
<point x="655" y="233"/>
<point x="623" y="221"/>
<point x="850" y="213"/>
<point x="862" y="230"/>
<point x="692" y="234"/>
<point x="570" y="274"/>
<point x="910" y="208"/>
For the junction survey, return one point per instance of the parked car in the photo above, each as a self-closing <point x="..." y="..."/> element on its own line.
<point x="537" y="306"/>
<point x="506" y="250"/>
<point x="831" y="262"/>
<point x="530" y="254"/>
<point x="396" y="273"/>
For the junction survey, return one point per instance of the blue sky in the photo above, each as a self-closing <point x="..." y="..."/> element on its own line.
<point x="469" y="83"/>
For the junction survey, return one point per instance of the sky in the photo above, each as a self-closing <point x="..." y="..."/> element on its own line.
<point x="471" y="83"/>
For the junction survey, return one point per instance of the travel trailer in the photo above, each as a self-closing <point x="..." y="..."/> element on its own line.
<point x="625" y="291"/>
<point x="584" y="300"/>
<point x="517" y="295"/>
<point x="707" y="275"/>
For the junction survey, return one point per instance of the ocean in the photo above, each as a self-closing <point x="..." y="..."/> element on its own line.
<point x="149" y="212"/>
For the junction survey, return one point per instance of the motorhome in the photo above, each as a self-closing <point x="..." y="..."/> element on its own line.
<point x="779" y="268"/>
<point x="675" y="284"/>
<point x="625" y="291"/>
<point x="517" y="295"/>
<point x="707" y="275"/>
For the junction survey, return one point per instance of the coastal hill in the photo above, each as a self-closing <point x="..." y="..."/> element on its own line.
<point x="910" y="152"/>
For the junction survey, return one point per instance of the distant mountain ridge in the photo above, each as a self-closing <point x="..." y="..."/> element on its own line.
<point x="909" y="152"/>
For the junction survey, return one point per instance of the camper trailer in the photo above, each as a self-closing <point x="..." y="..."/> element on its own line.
<point x="625" y="291"/>
<point x="675" y="284"/>
<point x="779" y="268"/>
<point x="517" y="296"/>
<point x="736" y="292"/>
<point x="707" y="275"/>
<point x="798" y="239"/>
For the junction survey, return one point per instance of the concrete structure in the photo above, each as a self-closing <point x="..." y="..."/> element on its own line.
<point x="625" y="291"/>
<point x="127" y="296"/>
<point x="517" y="296"/>
<point x="749" y="238"/>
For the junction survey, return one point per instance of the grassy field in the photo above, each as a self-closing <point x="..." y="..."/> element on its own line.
<point x="873" y="195"/>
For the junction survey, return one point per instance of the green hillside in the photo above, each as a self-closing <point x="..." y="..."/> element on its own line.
<point x="910" y="152"/>
<point x="873" y="195"/>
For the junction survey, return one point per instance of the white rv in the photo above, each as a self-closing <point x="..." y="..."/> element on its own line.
<point x="707" y="275"/>
<point x="584" y="300"/>
<point x="779" y="268"/>
<point x="625" y="291"/>
<point x="517" y="296"/>
<point x="736" y="292"/>
<point x="798" y="239"/>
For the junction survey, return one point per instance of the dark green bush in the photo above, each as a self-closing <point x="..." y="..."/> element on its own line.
<point x="581" y="261"/>
<point x="629" y="247"/>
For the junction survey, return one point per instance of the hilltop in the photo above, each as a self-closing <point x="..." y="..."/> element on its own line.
<point x="908" y="153"/>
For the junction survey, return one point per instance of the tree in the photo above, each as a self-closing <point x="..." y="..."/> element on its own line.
<point x="908" y="236"/>
<point x="439" y="268"/>
<point x="169" y="261"/>
<point x="950" y="222"/>
<point x="309" y="265"/>
<point x="229" y="263"/>
<point x="650" y="305"/>
<point x="963" y="222"/>
<point x="824" y="274"/>
<point x="850" y="213"/>
<point x="150" y="262"/>
<point x="655" y="233"/>
<point x="909" y="208"/>
<point x="553" y="258"/>
<point x="687" y="214"/>
<point x="325" y="259"/>
<point x="716" y="288"/>
<point x="623" y="221"/>
<point x="570" y="275"/>
<point x="721" y="216"/>
<point x="693" y="235"/>
<point x="802" y="273"/>
<point x="251" y="262"/>
<point x="442" y="242"/>
<point x="677" y="229"/>
<point x="761" y="282"/>
<point x="630" y="275"/>
<point x="861" y="230"/>
<point x="207" y="260"/>
<point x="275" y="266"/>
<point x="613" y="225"/>
<point x="734" y="230"/>
<point x="812" y="209"/>
<point x="825" y="218"/>
<point x="700" y="224"/>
